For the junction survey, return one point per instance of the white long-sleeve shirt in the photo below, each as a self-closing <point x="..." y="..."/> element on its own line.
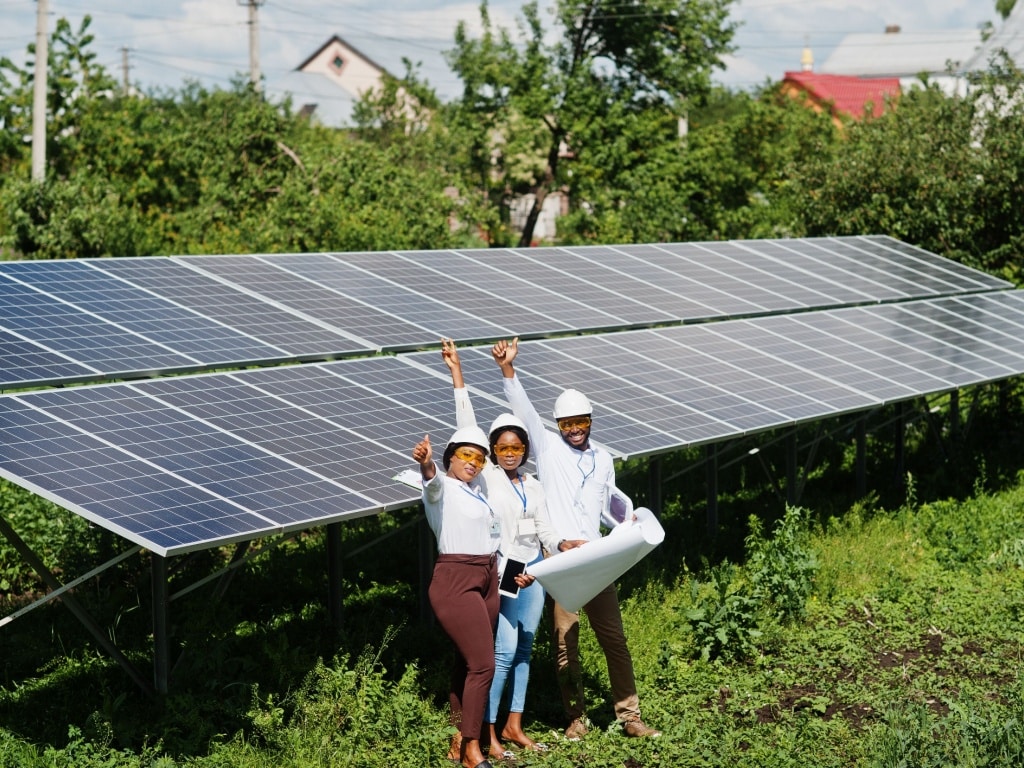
<point x="461" y="517"/>
<point x="525" y="524"/>
<point x="578" y="484"/>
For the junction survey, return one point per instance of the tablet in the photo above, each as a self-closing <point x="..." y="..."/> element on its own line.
<point x="507" y="585"/>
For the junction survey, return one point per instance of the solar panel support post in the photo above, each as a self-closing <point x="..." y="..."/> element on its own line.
<point x="654" y="484"/>
<point x="83" y="616"/>
<point x="161" y="643"/>
<point x="861" y="438"/>
<point x="711" y="473"/>
<point x="425" y="540"/>
<point x="792" y="492"/>
<point x="954" y="416"/>
<point x="899" y="444"/>
<point x="335" y="601"/>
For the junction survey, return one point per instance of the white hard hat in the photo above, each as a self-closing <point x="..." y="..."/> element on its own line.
<point x="505" y="421"/>
<point x="572" y="402"/>
<point x="470" y="436"/>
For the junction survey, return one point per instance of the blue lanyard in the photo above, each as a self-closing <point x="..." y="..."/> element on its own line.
<point x="593" y="466"/>
<point x="521" y="494"/>
<point x="479" y="497"/>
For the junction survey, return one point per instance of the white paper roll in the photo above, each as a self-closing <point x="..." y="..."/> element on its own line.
<point x="575" y="576"/>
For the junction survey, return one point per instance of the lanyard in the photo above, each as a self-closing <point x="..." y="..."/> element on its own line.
<point x="593" y="466"/>
<point x="479" y="497"/>
<point x="520" y="493"/>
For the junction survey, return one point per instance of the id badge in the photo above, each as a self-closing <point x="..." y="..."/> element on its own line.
<point x="495" y="527"/>
<point x="527" y="526"/>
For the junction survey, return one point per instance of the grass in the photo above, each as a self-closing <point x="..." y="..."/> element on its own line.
<point x="853" y="633"/>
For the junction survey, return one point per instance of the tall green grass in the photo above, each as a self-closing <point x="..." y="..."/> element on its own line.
<point x="873" y="637"/>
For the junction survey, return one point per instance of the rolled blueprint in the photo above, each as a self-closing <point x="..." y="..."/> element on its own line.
<point x="575" y="576"/>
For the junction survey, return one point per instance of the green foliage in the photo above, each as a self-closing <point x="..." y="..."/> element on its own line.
<point x="782" y="568"/>
<point x="942" y="172"/>
<point x="54" y="534"/>
<point x="598" y="91"/>
<point x="723" y="618"/>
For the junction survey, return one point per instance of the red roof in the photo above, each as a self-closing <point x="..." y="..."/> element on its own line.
<point x="846" y="93"/>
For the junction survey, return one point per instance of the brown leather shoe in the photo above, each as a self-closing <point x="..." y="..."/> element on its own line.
<point x="577" y="729"/>
<point x="637" y="728"/>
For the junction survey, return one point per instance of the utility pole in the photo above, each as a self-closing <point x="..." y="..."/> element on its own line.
<point x="39" y="94"/>
<point x="125" y="68"/>
<point x="254" y="42"/>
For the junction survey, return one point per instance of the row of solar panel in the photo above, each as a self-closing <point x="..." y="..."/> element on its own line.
<point x="87" y="320"/>
<point x="185" y="463"/>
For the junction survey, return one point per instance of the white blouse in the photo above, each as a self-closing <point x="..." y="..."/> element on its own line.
<point x="460" y="516"/>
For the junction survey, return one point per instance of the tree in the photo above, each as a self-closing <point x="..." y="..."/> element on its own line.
<point x="1005" y="7"/>
<point x="531" y="107"/>
<point x="945" y="173"/>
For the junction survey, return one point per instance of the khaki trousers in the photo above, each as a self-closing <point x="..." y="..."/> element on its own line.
<point x="606" y="621"/>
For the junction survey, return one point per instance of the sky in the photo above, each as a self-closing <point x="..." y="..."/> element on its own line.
<point x="173" y="41"/>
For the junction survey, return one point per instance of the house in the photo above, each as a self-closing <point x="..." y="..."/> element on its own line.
<point x="906" y="56"/>
<point x="1008" y="38"/>
<point x="841" y="94"/>
<point x="326" y="86"/>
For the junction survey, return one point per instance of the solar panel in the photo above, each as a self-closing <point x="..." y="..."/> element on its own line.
<point x="141" y="311"/>
<point x="258" y="321"/>
<point x="135" y="317"/>
<point x="183" y="463"/>
<point x="327" y="316"/>
<point x="81" y="336"/>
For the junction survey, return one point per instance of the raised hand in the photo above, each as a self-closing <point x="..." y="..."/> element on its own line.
<point x="505" y="351"/>
<point x="423" y="454"/>
<point x="450" y="355"/>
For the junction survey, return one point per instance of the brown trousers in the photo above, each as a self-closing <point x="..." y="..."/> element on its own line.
<point x="464" y="595"/>
<point x="606" y="620"/>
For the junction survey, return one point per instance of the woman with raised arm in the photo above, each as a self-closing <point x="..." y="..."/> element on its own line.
<point x="464" y="586"/>
<point x="518" y="499"/>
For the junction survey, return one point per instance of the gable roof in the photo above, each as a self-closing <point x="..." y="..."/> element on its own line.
<point x="843" y="93"/>
<point x="902" y="54"/>
<point x="345" y="66"/>
<point x="1009" y="37"/>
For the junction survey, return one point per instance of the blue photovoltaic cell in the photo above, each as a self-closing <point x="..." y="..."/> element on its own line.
<point x="597" y="285"/>
<point x="141" y="311"/>
<point x="233" y="313"/>
<point x="112" y="488"/>
<point x="23" y="363"/>
<point x="869" y="259"/>
<point x="312" y="419"/>
<point x="730" y="413"/>
<point x="792" y="289"/>
<point x="906" y="338"/>
<point x="423" y="320"/>
<point x="498" y="270"/>
<point x="284" y="326"/>
<point x="79" y="335"/>
<point x="707" y="361"/>
<point x="949" y="271"/>
<point x="363" y="326"/>
<point x="815" y="350"/>
<point x="198" y="452"/>
<point x="778" y="360"/>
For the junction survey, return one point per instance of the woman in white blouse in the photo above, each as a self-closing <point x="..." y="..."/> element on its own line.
<point x="518" y="499"/>
<point x="464" y="586"/>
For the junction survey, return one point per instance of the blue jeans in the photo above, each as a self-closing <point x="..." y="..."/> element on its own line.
<point x="517" y="623"/>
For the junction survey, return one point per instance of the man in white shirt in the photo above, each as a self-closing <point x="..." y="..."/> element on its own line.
<point x="578" y="480"/>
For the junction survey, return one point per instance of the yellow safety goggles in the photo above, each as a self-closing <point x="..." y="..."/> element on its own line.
<point x="510" y="450"/>
<point x="470" y="456"/>
<point x="574" y="422"/>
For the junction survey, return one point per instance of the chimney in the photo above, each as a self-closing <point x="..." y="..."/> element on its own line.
<point x="807" y="58"/>
<point x="892" y="29"/>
